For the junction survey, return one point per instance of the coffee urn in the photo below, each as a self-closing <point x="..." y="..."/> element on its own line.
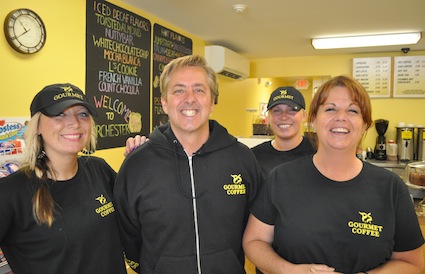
<point x="420" y="143"/>
<point x="405" y="142"/>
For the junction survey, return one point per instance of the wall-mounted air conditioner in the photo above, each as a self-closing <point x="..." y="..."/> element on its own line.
<point x="227" y="62"/>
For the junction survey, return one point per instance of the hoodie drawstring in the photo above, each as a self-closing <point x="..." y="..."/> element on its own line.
<point x="195" y="217"/>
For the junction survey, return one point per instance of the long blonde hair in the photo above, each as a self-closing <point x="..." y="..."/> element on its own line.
<point x="36" y="163"/>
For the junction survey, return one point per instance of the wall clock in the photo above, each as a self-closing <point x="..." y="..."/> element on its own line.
<point x="25" y="31"/>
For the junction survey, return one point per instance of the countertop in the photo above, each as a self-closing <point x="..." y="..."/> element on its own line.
<point x="387" y="164"/>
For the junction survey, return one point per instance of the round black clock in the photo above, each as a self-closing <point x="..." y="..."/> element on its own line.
<point x="25" y="31"/>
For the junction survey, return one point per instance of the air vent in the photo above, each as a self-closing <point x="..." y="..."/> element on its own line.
<point x="230" y="74"/>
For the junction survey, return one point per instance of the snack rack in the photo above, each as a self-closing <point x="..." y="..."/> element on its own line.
<point x="8" y="164"/>
<point x="12" y="148"/>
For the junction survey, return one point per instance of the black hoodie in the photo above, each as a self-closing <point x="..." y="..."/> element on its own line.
<point x="181" y="214"/>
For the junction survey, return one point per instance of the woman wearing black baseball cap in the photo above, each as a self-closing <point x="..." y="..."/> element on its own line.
<point x="56" y="212"/>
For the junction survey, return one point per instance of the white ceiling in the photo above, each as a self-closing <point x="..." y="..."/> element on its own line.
<point x="284" y="28"/>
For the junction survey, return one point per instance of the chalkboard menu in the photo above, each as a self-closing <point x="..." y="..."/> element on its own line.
<point x="409" y="76"/>
<point x="167" y="45"/>
<point x="118" y="47"/>
<point x="374" y="74"/>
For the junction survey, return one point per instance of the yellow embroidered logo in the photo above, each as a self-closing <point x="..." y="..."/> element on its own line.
<point x="237" y="187"/>
<point x="106" y="207"/>
<point x="365" y="227"/>
<point x="366" y="217"/>
<point x="67" y="92"/>
<point x="237" y="179"/>
<point x="66" y="88"/>
<point x="283" y="95"/>
<point x="101" y="199"/>
<point x="131" y="263"/>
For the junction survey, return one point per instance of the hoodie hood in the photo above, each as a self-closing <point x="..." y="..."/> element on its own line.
<point x="219" y="138"/>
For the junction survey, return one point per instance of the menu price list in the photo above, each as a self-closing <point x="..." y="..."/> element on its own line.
<point x="374" y="74"/>
<point x="409" y="76"/>
<point x="118" y="46"/>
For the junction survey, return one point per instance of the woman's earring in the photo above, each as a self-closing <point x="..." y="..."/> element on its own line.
<point x="87" y="152"/>
<point x="41" y="155"/>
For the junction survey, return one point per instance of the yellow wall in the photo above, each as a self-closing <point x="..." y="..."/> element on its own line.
<point x="63" y="60"/>
<point x="237" y="96"/>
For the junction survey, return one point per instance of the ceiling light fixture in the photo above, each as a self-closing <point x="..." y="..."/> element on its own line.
<point x="239" y="8"/>
<point x="366" y="40"/>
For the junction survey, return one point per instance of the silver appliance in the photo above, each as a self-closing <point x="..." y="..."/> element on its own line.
<point x="420" y="143"/>
<point x="405" y="143"/>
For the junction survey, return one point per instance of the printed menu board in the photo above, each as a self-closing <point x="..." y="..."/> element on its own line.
<point x="374" y="74"/>
<point x="409" y="76"/>
<point x="167" y="45"/>
<point x="118" y="47"/>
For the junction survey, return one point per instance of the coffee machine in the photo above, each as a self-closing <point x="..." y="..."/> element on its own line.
<point x="406" y="142"/>
<point x="381" y="126"/>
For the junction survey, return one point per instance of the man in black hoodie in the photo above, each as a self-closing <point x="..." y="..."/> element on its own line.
<point x="183" y="197"/>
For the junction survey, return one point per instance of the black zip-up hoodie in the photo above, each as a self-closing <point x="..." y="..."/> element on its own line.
<point x="181" y="214"/>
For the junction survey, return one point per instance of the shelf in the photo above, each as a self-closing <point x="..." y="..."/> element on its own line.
<point x="4" y="268"/>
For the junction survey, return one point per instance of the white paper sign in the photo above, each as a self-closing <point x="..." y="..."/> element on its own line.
<point x="409" y="76"/>
<point x="374" y="74"/>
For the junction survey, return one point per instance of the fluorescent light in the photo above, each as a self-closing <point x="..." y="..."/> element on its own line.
<point x="366" y="40"/>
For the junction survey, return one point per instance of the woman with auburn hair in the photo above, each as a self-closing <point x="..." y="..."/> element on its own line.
<point x="332" y="212"/>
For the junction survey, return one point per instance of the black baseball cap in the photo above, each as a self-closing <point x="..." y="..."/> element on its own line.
<point x="53" y="99"/>
<point x="288" y="96"/>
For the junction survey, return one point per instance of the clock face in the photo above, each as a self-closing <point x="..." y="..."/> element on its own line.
<point x="25" y="31"/>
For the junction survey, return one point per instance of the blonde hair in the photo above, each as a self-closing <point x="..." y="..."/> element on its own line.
<point x="189" y="61"/>
<point x="37" y="163"/>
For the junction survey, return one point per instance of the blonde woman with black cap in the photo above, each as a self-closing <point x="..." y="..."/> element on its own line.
<point x="56" y="212"/>
<point x="286" y="114"/>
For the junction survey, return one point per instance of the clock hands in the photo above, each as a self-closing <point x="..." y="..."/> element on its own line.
<point x="17" y="36"/>
<point x="25" y="29"/>
<point x="22" y="24"/>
